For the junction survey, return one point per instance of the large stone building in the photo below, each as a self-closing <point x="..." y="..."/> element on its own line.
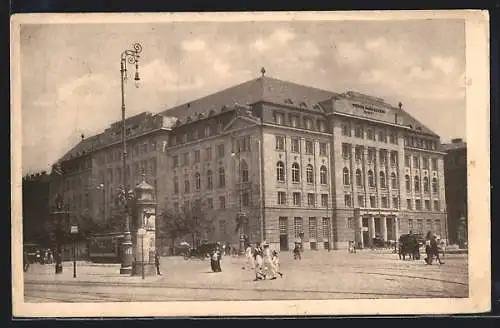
<point x="298" y="162"/>
<point x="455" y="171"/>
<point x="36" y="208"/>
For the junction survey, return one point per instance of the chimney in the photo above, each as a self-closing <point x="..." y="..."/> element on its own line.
<point x="83" y="136"/>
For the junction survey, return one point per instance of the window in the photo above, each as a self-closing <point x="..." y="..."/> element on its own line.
<point x="220" y="151"/>
<point x="416" y="162"/>
<point x="358" y="131"/>
<point x="296" y="198"/>
<point x="346" y="150"/>
<point x="243" y="171"/>
<point x="294" y="121"/>
<point x="297" y="224"/>
<point x="382" y="136"/>
<point x="210" y="184"/>
<point x="370" y="134"/>
<point x="417" y="184"/>
<point x="308" y="123"/>
<point x="418" y="204"/>
<point x="245" y="199"/>
<point x="311" y="199"/>
<point x="222" y="202"/>
<point x="295" y="172"/>
<point x="196" y="156"/>
<point x="295" y="145"/>
<point x="371" y="155"/>
<point x="279" y="118"/>
<point x="186" y="183"/>
<point x="208" y="153"/>
<point x="384" y="202"/>
<point x="427" y="204"/>
<point x="210" y="203"/>
<point x="208" y="131"/>
<point x="280" y="171"/>
<point x="425" y="163"/>
<point x="393" y="139"/>
<point x="382" y="180"/>
<point x="280" y="143"/>
<point x="371" y="180"/>
<point x="394" y="158"/>
<point x="426" y="184"/>
<point x="407" y="183"/>
<point x="326" y="230"/>
<point x="436" y="205"/>
<point x="313" y="228"/>
<point x="322" y="148"/>
<point x="309" y="174"/>
<point x="185" y="159"/>
<point x="281" y="198"/>
<point x="322" y="175"/>
<point x="395" y="202"/>
<point x="434" y="164"/>
<point x="324" y="200"/>
<point x="222" y="178"/>
<point x="197" y="180"/>
<point x="359" y="178"/>
<point x="321" y="126"/>
<point x="309" y="147"/>
<point x="345" y="176"/>
<point x="373" y="202"/>
<point x="410" y="225"/>
<point x="383" y="156"/>
<point x="358" y="153"/>
<point x="407" y="161"/>
<point x="347" y="200"/>
<point x="176" y="185"/>
<point x="361" y="201"/>
<point x="408" y="204"/>
<point x="434" y="185"/>
<point x="175" y="161"/>
<point x="346" y="130"/>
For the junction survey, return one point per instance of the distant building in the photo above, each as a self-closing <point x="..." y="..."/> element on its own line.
<point x="299" y="162"/>
<point x="455" y="170"/>
<point x="36" y="207"/>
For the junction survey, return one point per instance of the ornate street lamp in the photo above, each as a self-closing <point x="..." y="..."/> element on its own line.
<point x="59" y="213"/>
<point x="131" y="57"/>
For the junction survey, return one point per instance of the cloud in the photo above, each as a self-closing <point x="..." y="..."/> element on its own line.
<point x="349" y="53"/>
<point x="193" y="45"/>
<point x="445" y="64"/>
<point x="279" y="37"/>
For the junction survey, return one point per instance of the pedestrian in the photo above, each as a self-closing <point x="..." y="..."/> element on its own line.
<point x="215" y="259"/>
<point x="26" y="261"/>
<point x="296" y="252"/>
<point x="435" y="249"/>
<point x="276" y="262"/>
<point x="268" y="263"/>
<point x="249" y="262"/>
<point x="157" y="262"/>
<point x="258" y="262"/>
<point x="428" y="249"/>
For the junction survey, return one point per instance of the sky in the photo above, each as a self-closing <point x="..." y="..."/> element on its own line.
<point x="70" y="76"/>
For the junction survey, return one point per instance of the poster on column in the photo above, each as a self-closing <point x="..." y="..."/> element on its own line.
<point x="401" y="87"/>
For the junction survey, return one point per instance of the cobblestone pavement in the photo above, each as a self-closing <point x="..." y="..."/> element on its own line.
<point x="319" y="275"/>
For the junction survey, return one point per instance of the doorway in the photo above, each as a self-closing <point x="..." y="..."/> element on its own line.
<point x="283" y="225"/>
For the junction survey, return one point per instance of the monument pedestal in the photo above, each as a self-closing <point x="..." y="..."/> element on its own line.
<point x="149" y="269"/>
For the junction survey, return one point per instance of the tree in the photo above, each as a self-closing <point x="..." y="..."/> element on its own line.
<point x="172" y="225"/>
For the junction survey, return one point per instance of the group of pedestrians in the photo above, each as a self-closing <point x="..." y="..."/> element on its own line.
<point x="263" y="260"/>
<point x="431" y="249"/>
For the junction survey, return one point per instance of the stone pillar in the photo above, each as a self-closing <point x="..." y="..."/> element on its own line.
<point x="359" y="228"/>
<point x="384" y="227"/>
<point x="371" y="226"/>
<point x="396" y="228"/>
<point x="145" y="219"/>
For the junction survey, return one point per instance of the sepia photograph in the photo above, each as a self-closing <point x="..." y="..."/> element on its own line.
<point x="250" y="163"/>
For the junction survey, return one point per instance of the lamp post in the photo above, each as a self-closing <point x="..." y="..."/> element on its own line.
<point x="132" y="57"/>
<point x="101" y="188"/>
<point x="74" y="232"/>
<point x="142" y="233"/>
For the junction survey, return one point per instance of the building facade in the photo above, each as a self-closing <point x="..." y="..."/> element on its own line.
<point x="36" y="208"/>
<point x="455" y="170"/>
<point x="300" y="163"/>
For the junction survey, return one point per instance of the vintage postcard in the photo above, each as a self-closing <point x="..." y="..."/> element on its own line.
<point x="226" y="164"/>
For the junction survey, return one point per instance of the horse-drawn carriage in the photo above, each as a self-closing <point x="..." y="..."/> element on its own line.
<point x="409" y="245"/>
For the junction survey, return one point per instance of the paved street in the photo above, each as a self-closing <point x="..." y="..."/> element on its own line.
<point x="319" y="275"/>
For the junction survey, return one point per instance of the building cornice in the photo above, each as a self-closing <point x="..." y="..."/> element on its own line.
<point x="425" y="150"/>
<point x="298" y="130"/>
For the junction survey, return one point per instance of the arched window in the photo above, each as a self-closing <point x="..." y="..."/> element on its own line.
<point x="243" y="171"/>
<point x="407" y="183"/>
<point x="371" y="180"/>
<point x="417" y="184"/>
<point x="280" y="171"/>
<point x="322" y="175"/>
<point x="394" y="181"/>
<point x="359" y="178"/>
<point x="197" y="179"/>
<point x="382" y="180"/>
<point x="176" y="185"/>
<point x="222" y="178"/>
<point x="309" y="174"/>
<point x="434" y="185"/>
<point x="295" y="172"/>
<point x="210" y="184"/>
<point x="426" y="184"/>
<point x="345" y="175"/>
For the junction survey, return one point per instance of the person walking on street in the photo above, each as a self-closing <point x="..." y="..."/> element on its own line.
<point x="26" y="262"/>
<point x="435" y="249"/>
<point x="157" y="263"/>
<point x="268" y="263"/>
